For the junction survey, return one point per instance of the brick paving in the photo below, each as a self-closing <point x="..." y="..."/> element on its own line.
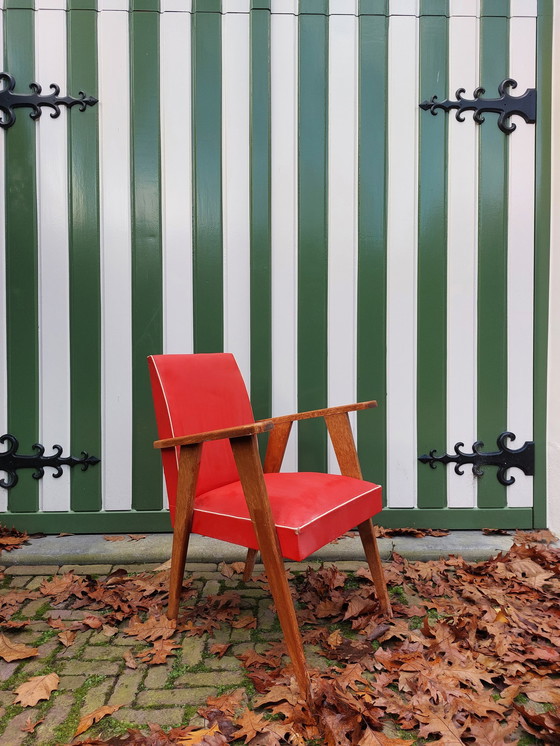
<point x="93" y="673"/>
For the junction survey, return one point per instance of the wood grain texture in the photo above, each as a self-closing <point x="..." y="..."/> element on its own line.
<point x="189" y="464"/>
<point x="249" y="564"/>
<point x="228" y="432"/>
<point x="246" y="454"/>
<point x="276" y="448"/>
<point x="322" y="412"/>
<point x="343" y="443"/>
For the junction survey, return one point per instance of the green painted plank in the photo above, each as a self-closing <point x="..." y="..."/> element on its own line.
<point x="496" y="8"/>
<point x="432" y="262"/>
<point x="144" y="5"/>
<point x="207" y="6"/>
<point x="456" y="518"/>
<point x="313" y="7"/>
<point x="260" y="280"/>
<point x="492" y="259"/>
<point x="542" y="255"/>
<point x="312" y="236"/>
<point x="159" y="522"/>
<point x="21" y="258"/>
<point x="147" y="305"/>
<point x="374" y="7"/>
<point x="84" y="269"/>
<point x="434" y="8"/>
<point x="207" y="183"/>
<point x="372" y="244"/>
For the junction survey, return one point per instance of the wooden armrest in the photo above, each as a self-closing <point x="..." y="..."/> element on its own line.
<point x="229" y="432"/>
<point x="322" y="412"/>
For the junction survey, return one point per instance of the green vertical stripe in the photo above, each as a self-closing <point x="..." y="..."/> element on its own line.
<point x="21" y="258"/>
<point x="432" y="257"/>
<point x="84" y="281"/>
<point x="492" y="259"/>
<point x="542" y="254"/>
<point x="372" y="244"/>
<point x="312" y="230"/>
<point x="146" y="252"/>
<point x="261" y="341"/>
<point x="207" y="182"/>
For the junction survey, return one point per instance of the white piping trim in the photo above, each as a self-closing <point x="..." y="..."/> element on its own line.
<point x="166" y="405"/>
<point x="289" y="528"/>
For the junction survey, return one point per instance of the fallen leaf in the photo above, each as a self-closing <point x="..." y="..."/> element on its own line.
<point x="35" y="689"/>
<point x="153" y="628"/>
<point x="245" y="622"/>
<point x="158" y="653"/>
<point x="198" y="736"/>
<point x="136" y="537"/>
<point x="67" y="637"/>
<point x="15" y="651"/>
<point x="220" y="649"/>
<point x="30" y="726"/>
<point x="108" y="630"/>
<point x="114" y="538"/>
<point x="129" y="660"/>
<point x="94" y="717"/>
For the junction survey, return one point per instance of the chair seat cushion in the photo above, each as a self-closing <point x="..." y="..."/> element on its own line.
<point x="309" y="510"/>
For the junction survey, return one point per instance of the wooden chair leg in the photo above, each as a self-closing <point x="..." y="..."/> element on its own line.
<point x="249" y="564"/>
<point x="245" y="451"/>
<point x="342" y="439"/>
<point x="369" y="542"/>
<point x="189" y="464"/>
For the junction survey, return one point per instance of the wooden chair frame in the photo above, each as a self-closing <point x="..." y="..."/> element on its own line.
<point x="244" y="445"/>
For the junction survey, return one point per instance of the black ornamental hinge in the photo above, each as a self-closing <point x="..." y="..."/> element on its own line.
<point x="505" y="458"/>
<point x="506" y="106"/>
<point x="11" y="461"/>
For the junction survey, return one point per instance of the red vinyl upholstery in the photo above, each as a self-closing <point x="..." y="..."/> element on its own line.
<point x="203" y="392"/>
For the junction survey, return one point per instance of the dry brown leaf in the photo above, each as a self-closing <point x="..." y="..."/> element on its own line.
<point x="136" y="537"/>
<point x="114" y="538"/>
<point x="220" y="649"/>
<point x="35" y="689"/>
<point x="67" y="637"/>
<point x="94" y="717"/>
<point x="92" y="621"/>
<point x="164" y="566"/>
<point x="158" y="653"/>
<point x="129" y="660"/>
<point x="378" y="738"/>
<point x="153" y="628"/>
<point x="15" y="651"/>
<point x="108" y="630"/>
<point x="198" y="736"/>
<point x="30" y="726"/>
<point x="245" y="622"/>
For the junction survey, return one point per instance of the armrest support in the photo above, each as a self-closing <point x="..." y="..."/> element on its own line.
<point x="328" y="412"/>
<point x="229" y="432"/>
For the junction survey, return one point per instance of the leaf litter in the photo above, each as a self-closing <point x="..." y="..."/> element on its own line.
<point x="472" y="655"/>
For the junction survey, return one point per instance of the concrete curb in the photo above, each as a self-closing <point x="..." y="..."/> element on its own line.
<point x="93" y="549"/>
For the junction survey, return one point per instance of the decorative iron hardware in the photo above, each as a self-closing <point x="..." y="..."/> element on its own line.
<point x="10" y="100"/>
<point x="507" y="105"/>
<point x="10" y="461"/>
<point x="506" y="458"/>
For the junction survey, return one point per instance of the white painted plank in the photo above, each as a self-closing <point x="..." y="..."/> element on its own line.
<point x="462" y="243"/>
<point x="284" y="222"/>
<point x="404" y="8"/>
<point x="3" y="320"/>
<point x="235" y="189"/>
<point x="464" y="8"/>
<point x="528" y="8"/>
<point x="236" y="6"/>
<point x="521" y="215"/>
<point x="553" y="389"/>
<point x="284" y="6"/>
<point x="402" y="250"/>
<point x="342" y="214"/>
<point x="114" y="158"/>
<point x="174" y="6"/>
<point x="52" y="234"/>
<point x="343" y="7"/>
<point x="176" y="167"/>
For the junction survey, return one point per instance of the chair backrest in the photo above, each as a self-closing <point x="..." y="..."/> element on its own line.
<point x="193" y="394"/>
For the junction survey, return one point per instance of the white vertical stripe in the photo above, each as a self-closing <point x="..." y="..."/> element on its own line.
<point x="3" y="317"/>
<point x="176" y="183"/>
<point x="342" y="213"/>
<point x="114" y="159"/>
<point x="521" y="219"/>
<point x="284" y="181"/>
<point x="462" y="223"/>
<point x="553" y="389"/>
<point x="402" y="249"/>
<point x="235" y="194"/>
<point x="52" y="229"/>
<point x="523" y="8"/>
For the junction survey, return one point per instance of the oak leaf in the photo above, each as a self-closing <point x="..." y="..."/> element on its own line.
<point x="30" y="726"/>
<point x="378" y="738"/>
<point x="94" y="717"/>
<point x="129" y="660"/>
<point x="245" y="622"/>
<point x="35" y="689"/>
<point x="136" y="537"/>
<point x="158" y="653"/>
<point x="152" y="629"/>
<point x="199" y="736"/>
<point x="220" y="649"/>
<point x="15" y="651"/>
<point x="251" y="723"/>
<point x="114" y="538"/>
